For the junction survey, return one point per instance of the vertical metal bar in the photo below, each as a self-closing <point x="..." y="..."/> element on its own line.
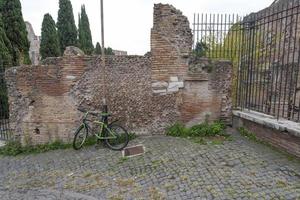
<point x="271" y="72"/>
<point x="245" y="64"/>
<point x="194" y="32"/>
<point x="224" y="36"/>
<point x="221" y="34"/>
<point x="263" y="63"/>
<point x="217" y="38"/>
<point x="296" y="87"/>
<point x="234" y="44"/>
<point x="273" y="68"/>
<point x="265" y="59"/>
<point x="260" y="30"/>
<point x="247" y="57"/>
<point x="256" y="69"/>
<point x="288" y="62"/>
<point x="240" y="33"/>
<point x="293" y="101"/>
<point x="201" y="27"/>
<point x="252" y="48"/>
<point x="198" y="28"/>
<point x="103" y="54"/>
<point x="206" y="39"/>
<point x="213" y="38"/>
<point x="210" y="34"/>
<point x="277" y="68"/>
<point x="228" y="35"/>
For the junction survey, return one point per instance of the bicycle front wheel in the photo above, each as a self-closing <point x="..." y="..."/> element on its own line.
<point x="80" y="137"/>
<point x="121" y="137"/>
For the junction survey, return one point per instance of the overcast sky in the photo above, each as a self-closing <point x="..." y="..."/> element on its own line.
<point x="128" y="22"/>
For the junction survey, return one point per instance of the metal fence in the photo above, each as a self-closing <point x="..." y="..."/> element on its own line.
<point x="217" y="35"/>
<point x="264" y="48"/>
<point x="4" y="108"/>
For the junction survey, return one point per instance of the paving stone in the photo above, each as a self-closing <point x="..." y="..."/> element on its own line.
<point x="171" y="168"/>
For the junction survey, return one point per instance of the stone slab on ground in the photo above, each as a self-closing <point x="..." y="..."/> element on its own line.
<point x="171" y="168"/>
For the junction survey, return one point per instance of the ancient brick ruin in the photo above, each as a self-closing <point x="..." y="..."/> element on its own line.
<point x="147" y="93"/>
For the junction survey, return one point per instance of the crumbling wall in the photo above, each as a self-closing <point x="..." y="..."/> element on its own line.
<point x="171" y="46"/>
<point x="146" y="93"/>
<point x="203" y="86"/>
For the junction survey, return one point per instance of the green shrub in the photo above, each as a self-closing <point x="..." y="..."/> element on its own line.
<point x="178" y="130"/>
<point x="12" y="148"/>
<point x="200" y="130"/>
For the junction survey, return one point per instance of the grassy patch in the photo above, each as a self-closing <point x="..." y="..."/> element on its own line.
<point x="122" y="160"/>
<point x="14" y="148"/>
<point x="244" y="132"/>
<point x="204" y="133"/>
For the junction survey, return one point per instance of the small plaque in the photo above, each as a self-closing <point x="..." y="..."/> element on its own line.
<point x="133" y="151"/>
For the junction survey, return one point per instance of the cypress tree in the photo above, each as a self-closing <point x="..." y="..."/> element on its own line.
<point x="85" y="36"/>
<point x="49" y="42"/>
<point x="109" y="51"/>
<point x="15" y="30"/>
<point x="66" y="28"/>
<point x="5" y="48"/>
<point x="98" y="49"/>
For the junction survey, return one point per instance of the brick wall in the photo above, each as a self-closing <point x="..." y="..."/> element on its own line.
<point x="146" y="93"/>
<point x="171" y="43"/>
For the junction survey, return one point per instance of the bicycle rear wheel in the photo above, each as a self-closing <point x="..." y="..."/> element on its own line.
<point x="80" y="137"/>
<point x="121" y="140"/>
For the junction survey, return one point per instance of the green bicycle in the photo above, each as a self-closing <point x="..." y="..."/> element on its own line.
<point x="114" y="136"/>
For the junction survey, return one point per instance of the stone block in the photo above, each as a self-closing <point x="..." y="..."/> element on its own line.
<point x="174" y="79"/>
<point x="159" y="85"/>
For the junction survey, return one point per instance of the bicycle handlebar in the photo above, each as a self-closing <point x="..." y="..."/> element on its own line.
<point x="93" y="113"/>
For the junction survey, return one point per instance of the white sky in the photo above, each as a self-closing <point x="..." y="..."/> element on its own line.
<point x="128" y="22"/>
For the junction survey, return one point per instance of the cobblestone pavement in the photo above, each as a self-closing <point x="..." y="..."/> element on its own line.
<point x="171" y="168"/>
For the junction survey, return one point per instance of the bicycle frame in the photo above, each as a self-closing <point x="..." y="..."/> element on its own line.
<point x="103" y="126"/>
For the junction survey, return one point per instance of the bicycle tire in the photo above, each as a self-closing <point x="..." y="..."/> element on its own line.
<point x="77" y="135"/>
<point x="122" y="136"/>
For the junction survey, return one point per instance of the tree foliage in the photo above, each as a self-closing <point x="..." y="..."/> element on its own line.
<point x="5" y="48"/>
<point x="67" y="31"/>
<point x="107" y="51"/>
<point x="85" y="36"/>
<point x="98" y="49"/>
<point x="15" y="29"/>
<point x="49" y="42"/>
<point x="200" y="49"/>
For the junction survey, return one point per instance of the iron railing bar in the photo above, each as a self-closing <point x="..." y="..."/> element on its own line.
<point x="298" y="65"/>
<point x="277" y="67"/>
<point x="288" y="66"/>
<point x="217" y="35"/>
<point x="194" y="32"/>
<point x="213" y="39"/>
<point x="265" y="93"/>
<point x="297" y="68"/>
<point x="282" y="72"/>
<point x="261" y="73"/>
<point x="238" y="94"/>
<point x="252" y="36"/>
<point x="210" y="33"/>
<point x="270" y="74"/>
<point x="257" y="66"/>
